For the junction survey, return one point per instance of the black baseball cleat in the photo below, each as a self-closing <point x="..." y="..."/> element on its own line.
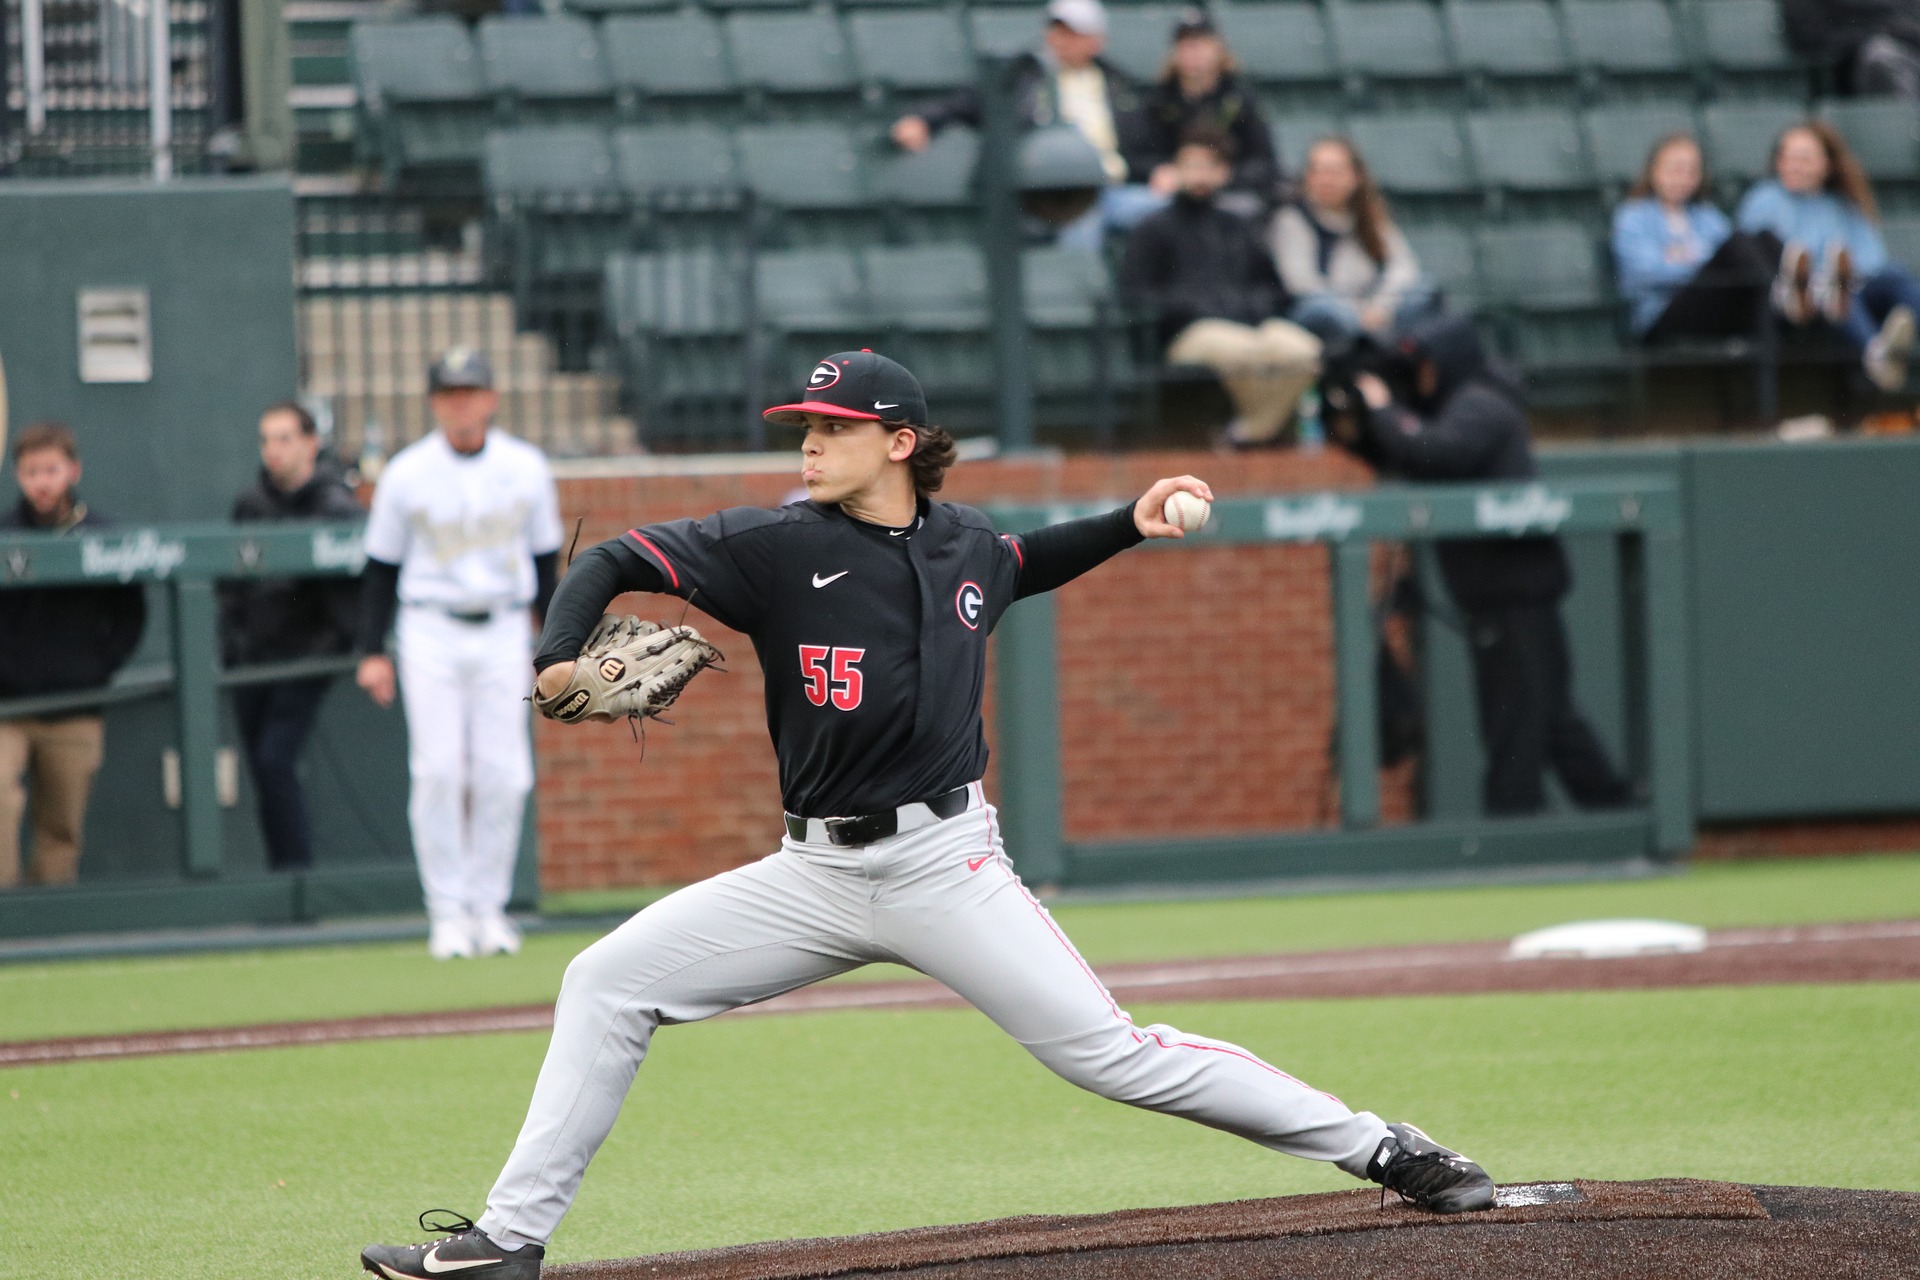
<point x="1424" y="1173"/>
<point x="466" y="1252"/>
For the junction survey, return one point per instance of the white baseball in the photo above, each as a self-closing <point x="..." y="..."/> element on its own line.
<point x="1185" y="511"/>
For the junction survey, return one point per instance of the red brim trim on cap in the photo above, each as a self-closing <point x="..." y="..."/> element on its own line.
<point x="791" y="414"/>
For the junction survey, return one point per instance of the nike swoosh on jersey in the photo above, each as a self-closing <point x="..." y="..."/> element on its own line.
<point x="819" y="581"/>
<point x="974" y="864"/>
<point x="435" y="1267"/>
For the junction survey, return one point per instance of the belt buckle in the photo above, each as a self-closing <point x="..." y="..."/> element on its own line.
<point x="837" y="831"/>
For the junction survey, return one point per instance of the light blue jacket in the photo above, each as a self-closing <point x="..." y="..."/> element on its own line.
<point x="1814" y="221"/>
<point x="1653" y="261"/>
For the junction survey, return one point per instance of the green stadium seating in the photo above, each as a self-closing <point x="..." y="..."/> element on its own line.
<point x="1284" y="49"/>
<point x="549" y="163"/>
<point x="544" y="61"/>
<point x="1546" y="279"/>
<point x="425" y="105"/>
<point x="1883" y="132"/>
<point x="654" y="160"/>
<point x="1530" y="152"/>
<point x="911" y="51"/>
<point x="1743" y="45"/>
<point x="802" y="166"/>
<point x="1414" y="154"/>
<point x="1739" y="138"/>
<point x="1005" y="31"/>
<point x="726" y="5"/>
<point x="1511" y="49"/>
<point x="1293" y="133"/>
<point x="1065" y="288"/>
<point x="1393" y="53"/>
<point x="1621" y="135"/>
<point x="1901" y="231"/>
<point x="811" y="291"/>
<point x="1140" y="37"/>
<point x="1628" y="47"/>
<point x="667" y="55"/>
<point x="791" y="53"/>
<point x="1447" y="261"/>
<point x="939" y="177"/>
<point x="940" y="288"/>
<point x="601" y="8"/>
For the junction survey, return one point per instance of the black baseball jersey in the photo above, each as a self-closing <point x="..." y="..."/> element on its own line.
<point x="872" y="640"/>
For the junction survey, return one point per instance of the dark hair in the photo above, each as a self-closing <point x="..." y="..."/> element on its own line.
<point x="1205" y="133"/>
<point x="933" y="452"/>
<point x="1371" y="221"/>
<point x="1229" y="65"/>
<point x="300" y="415"/>
<point x="1643" y="186"/>
<point x="1845" y="176"/>
<point x="47" y="435"/>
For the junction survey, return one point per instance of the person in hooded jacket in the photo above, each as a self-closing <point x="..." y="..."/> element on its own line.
<point x="1201" y="84"/>
<point x="1464" y="420"/>
<point x="283" y="619"/>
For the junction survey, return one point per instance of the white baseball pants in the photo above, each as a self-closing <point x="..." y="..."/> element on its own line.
<point x="942" y="899"/>
<point x="469" y="754"/>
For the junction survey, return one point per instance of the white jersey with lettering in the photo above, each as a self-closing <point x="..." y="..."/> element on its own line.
<point x="464" y="528"/>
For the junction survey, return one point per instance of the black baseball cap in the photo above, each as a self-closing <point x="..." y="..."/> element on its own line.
<point x="1194" y="22"/>
<point x="458" y="368"/>
<point x="856" y="384"/>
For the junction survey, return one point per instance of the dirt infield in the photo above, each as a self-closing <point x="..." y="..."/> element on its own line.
<point x="1667" y="1229"/>
<point x="1879" y="952"/>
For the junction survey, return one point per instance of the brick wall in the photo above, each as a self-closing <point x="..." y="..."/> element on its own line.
<point x="1195" y="686"/>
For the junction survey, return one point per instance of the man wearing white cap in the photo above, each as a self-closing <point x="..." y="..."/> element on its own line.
<point x="1065" y="81"/>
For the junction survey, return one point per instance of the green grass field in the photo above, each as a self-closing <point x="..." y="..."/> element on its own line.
<point x="282" y="1163"/>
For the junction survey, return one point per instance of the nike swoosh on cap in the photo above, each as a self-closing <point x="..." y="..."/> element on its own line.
<point x="878" y="405"/>
<point x="819" y="581"/>
<point x="434" y="1266"/>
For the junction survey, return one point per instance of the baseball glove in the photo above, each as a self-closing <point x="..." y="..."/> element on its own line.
<point x="628" y="668"/>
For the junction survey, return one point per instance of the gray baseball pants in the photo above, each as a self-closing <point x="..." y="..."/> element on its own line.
<point x="942" y="899"/>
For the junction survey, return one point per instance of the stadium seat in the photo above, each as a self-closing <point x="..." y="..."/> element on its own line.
<point x="1548" y="278"/>
<point x="939" y="177"/>
<point x="1744" y="45"/>
<point x="928" y="288"/>
<point x="1139" y="38"/>
<point x="1283" y="49"/>
<point x="790" y="53"/>
<point x="1621" y="135"/>
<point x="1883" y="132"/>
<point x="1005" y="31"/>
<point x="655" y="161"/>
<point x="1393" y="53"/>
<point x="677" y="320"/>
<point x="601" y="8"/>
<point x="1065" y="288"/>
<point x="1628" y="47"/>
<point x="1901" y="231"/>
<point x="535" y="58"/>
<point x="420" y="85"/>
<point x="1294" y="133"/>
<point x="802" y="166"/>
<point x="667" y="55"/>
<point x="1447" y="263"/>
<point x="911" y="51"/>
<point x="809" y="291"/>
<point x="1512" y="49"/>
<point x="1530" y="152"/>
<point x="1739" y="138"/>
<point x="549" y="163"/>
<point x="1414" y="154"/>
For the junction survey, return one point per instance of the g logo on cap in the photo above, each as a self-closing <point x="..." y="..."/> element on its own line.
<point x="825" y="374"/>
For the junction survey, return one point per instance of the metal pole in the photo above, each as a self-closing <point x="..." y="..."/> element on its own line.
<point x="1354" y="656"/>
<point x="33" y="65"/>
<point x="1006" y="290"/>
<point x="160" y="88"/>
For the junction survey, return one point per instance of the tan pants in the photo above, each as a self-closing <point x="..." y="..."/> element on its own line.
<point x="1264" y="369"/>
<point x="64" y="755"/>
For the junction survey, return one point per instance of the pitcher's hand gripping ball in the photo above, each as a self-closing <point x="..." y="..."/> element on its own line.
<point x="628" y="668"/>
<point x="1186" y="512"/>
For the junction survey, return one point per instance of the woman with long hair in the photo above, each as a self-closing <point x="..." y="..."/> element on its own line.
<point x="1834" y="265"/>
<point x="1200" y="84"/>
<point x="1680" y="265"/>
<point x="1343" y="261"/>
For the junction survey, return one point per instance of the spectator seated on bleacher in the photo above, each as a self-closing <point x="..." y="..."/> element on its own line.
<point x="1065" y="81"/>
<point x="1834" y="266"/>
<point x="1347" y="267"/>
<point x="1216" y="297"/>
<point x="1682" y="269"/>
<point x="1201" y="84"/>
<point x="1871" y="46"/>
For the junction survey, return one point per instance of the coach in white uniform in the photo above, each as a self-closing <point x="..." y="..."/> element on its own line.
<point x="464" y="535"/>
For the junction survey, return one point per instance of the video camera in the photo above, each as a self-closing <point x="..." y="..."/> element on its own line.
<point x="1343" y="410"/>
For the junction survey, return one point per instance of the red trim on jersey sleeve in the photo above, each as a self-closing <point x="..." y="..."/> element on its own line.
<point x="1014" y="542"/>
<point x="658" y="554"/>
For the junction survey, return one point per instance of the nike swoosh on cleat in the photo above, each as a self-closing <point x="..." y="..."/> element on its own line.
<point x="819" y="581"/>
<point x="434" y="1267"/>
<point x="974" y="864"/>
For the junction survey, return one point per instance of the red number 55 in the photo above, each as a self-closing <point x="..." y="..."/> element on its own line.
<point x="831" y="673"/>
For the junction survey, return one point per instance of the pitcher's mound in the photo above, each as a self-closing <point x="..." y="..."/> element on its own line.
<point x="1666" y="1229"/>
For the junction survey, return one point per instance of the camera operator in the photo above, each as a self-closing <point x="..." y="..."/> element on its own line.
<point x="1455" y="414"/>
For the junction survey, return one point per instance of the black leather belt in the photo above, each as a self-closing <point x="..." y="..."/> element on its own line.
<point x="869" y="827"/>
<point x="473" y="618"/>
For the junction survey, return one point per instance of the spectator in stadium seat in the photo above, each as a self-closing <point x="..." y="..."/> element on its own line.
<point x="1872" y="47"/>
<point x="1218" y="300"/>
<point x="1834" y="265"/>
<point x="1347" y="266"/>
<point x="55" y="640"/>
<point x="283" y="619"/>
<point x="1065" y="81"/>
<point x="1201" y="84"/>
<point x="1681" y="267"/>
<point x="1463" y="419"/>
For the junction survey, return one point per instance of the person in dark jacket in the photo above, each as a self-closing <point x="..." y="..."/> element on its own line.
<point x="1207" y="277"/>
<point x="283" y="619"/>
<point x="1201" y="85"/>
<point x="1465" y="421"/>
<point x="55" y="640"/>
<point x="1872" y="47"/>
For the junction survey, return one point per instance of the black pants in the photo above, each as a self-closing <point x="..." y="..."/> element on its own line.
<point x="275" y="720"/>
<point x="1728" y="295"/>
<point x="1524" y="680"/>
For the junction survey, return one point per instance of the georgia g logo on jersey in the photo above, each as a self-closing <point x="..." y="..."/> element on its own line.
<point x="825" y="374"/>
<point x="969" y="602"/>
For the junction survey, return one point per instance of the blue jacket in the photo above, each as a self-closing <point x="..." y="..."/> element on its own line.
<point x="1652" y="261"/>
<point x="1815" y="222"/>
